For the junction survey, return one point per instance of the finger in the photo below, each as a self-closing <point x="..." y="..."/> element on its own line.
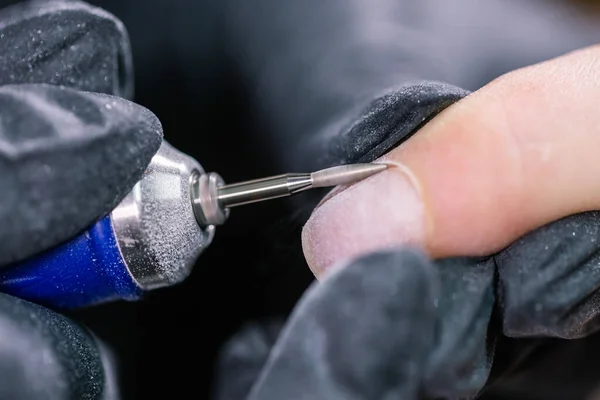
<point x="549" y="280"/>
<point x="460" y="362"/>
<point x="344" y="333"/>
<point x="517" y="154"/>
<point x="66" y="158"/>
<point x="45" y="355"/>
<point x="67" y="43"/>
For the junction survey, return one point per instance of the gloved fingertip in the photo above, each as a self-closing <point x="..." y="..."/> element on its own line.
<point x="377" y="314"/>
<point x="44" y="355"/>
<point x="68" y="43"/>
<point x="78" y="154"/>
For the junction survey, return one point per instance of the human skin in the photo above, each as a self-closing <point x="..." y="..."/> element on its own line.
<point x="519" y="153"/>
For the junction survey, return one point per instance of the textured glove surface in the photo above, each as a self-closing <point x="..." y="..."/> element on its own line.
<point x="69" y="153"/>
<point x="71" y="147"/>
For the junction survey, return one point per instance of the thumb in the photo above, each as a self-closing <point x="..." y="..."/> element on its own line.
<point x="519" y="153"/>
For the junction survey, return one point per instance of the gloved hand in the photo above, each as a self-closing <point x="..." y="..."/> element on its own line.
<point x="395" y="324"/>
<point x="71" y="147"/>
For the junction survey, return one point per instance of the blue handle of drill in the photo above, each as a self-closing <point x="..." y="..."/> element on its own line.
<point x="87" y="270"/>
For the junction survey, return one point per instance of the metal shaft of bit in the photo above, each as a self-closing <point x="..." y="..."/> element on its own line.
<point x="253" y="191"/>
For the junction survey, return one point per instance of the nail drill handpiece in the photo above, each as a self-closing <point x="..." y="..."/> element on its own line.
<point x="153" y="238"/>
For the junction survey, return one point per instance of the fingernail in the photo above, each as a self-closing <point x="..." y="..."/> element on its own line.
<point x="380" y="212"/>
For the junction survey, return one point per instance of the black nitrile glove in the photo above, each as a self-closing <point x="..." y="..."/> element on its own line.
<point x="395" y="325"/>
<point x="69" y="152"/>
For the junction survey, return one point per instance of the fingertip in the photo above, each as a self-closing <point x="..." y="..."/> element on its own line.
<point x="380" y="212"/>
<point x="507" y="159"/>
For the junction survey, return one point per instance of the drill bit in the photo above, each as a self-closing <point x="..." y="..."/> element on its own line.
<point x="288" y="184"/>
